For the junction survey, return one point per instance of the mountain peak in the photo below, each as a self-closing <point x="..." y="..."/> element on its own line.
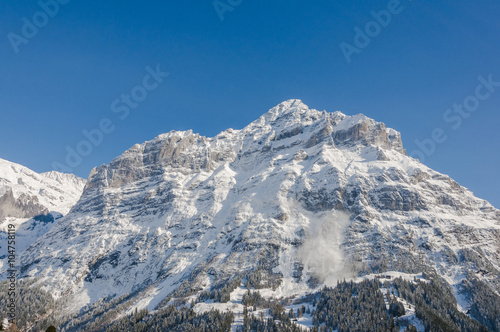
<point x="25" y="193"/>
<point x="289" y="109"/>
<point x="291" y="123"/>
<point x="286" y="107"/>
<point x="293" y="116"/>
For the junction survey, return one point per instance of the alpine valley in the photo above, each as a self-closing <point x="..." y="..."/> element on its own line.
<point x="301" y="220"/>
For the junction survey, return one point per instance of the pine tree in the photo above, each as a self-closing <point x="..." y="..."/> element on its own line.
<point x="51" y="328"/>
<point x="411" y="328"/>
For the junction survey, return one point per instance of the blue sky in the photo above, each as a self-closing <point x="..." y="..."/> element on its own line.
<point x="65" y="76"/>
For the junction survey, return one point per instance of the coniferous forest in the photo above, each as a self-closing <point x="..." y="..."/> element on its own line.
<point x="369" y="305"/>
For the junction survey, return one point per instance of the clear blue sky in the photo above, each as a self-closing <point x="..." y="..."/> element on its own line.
<point x="227" y="73"/>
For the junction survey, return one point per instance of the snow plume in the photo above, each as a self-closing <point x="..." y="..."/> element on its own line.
<point x="321" y="253"/>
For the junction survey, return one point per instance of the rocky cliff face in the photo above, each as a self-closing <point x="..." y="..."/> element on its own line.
<point x="24" y="206"/>
<point x="303" y="196"/>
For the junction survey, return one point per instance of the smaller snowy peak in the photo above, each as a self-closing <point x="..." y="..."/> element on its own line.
<point x="65" y="179"/>
<point x="25" y="193"/>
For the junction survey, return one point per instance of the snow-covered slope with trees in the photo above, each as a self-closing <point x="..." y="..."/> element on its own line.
<point x="297" y="199"/>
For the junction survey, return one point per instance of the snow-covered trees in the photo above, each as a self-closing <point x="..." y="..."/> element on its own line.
<point x="353" y="307"/>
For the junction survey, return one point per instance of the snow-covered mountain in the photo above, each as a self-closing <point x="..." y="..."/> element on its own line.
<point x="33" y="201"/>
<point x="300" y="197"/>
<point x="25" y="193"/>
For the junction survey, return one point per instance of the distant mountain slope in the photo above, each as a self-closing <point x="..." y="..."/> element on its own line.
<point x="32" y="201"/>
<point x="296" y="200"/>
<point x="25" y="194"/>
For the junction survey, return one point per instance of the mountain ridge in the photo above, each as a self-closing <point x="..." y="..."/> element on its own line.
<point x="49" y="191"/>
